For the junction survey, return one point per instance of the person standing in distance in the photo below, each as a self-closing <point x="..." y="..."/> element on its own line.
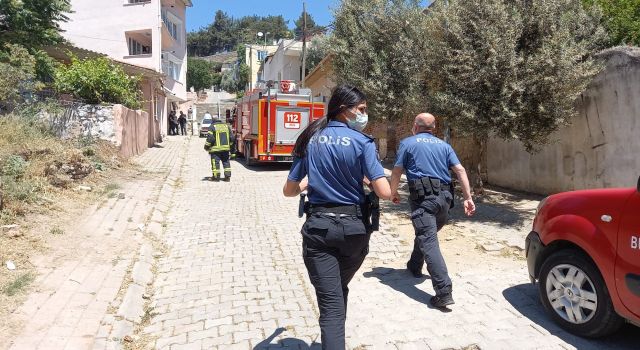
<point x="332" y="157"/>
<point x="182" y="120"/>
<point x="426" y="160"/>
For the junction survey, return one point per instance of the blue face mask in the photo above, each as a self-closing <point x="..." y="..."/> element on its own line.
<point x="359" y="122"/>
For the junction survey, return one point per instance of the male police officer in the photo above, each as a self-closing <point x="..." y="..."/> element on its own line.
<point x="218" y="145"/>
<point x="426" y="160"/>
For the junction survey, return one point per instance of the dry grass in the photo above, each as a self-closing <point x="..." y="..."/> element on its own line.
<point x="36" y="203"/>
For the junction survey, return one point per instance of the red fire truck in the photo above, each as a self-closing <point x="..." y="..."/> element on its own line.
<point x="269" y="121"/>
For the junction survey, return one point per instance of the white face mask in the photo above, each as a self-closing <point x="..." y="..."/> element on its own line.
<point x="359" y="122"/>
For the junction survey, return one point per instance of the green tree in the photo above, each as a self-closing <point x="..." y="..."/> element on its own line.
<point x="378" y="48"/>
<point x="243" y="77"/>
<point x="318" y="50"/>
<point x="510" y="68"/>
<point x="98" y="80"/>
<point x="225" y="33"/>
<point x="202" y="74"/>
<point x="312" y="27"/>
<point x="228" y="82"/>
<point x="33" y="24"/>
<point x="622" y="20"/>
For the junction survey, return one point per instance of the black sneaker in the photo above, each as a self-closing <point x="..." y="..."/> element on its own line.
<point x="215" y="179"/>
<point x="415" y="272"/>
<point x="227" y="179"/>
<point x="441" y="301"/>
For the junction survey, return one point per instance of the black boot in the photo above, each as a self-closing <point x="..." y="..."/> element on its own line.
<point x="443" y="300"/>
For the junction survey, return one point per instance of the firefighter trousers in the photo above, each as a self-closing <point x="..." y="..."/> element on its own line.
<point x="216" y="158"/>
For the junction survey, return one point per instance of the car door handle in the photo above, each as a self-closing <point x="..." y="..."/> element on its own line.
<point x="606" y="218"/>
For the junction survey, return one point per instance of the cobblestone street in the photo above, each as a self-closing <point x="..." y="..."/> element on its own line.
<point x="233" y="278"/>
<point x="185" y="263"/>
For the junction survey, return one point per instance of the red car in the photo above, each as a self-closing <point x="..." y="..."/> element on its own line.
<point x="585" y="252"/>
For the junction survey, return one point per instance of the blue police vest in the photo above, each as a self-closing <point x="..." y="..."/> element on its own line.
<point x="424" y="155"/>
<point x="337" y="160"/>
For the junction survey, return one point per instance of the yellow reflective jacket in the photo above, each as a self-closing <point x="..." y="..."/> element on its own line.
<point x="219" y="138"/>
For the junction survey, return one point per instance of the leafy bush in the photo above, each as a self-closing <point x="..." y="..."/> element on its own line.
<point x="14" y="166"/>
<point x="98" y="80"/>
<point x="17" y="74"/>
<point x="25" y="191"/>
<point x="622" y="20"/>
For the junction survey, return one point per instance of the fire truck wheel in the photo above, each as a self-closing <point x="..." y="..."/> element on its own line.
<point x="247" y="153"/>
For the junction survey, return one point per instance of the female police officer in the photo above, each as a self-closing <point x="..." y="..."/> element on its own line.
<point x="335" y="157"/>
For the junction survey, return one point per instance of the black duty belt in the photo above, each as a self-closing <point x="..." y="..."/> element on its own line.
<point x="338" y="209"/>
<point x="426" y="186"/>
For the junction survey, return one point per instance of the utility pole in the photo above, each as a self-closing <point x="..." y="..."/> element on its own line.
<point x="304" y="43"/>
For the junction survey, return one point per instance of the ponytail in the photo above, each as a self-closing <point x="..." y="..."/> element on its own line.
<point x="300" y="149"/>
<point x="342" y="97"/>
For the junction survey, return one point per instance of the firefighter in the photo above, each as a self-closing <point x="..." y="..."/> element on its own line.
<point x="332" y="157"/>
<point x="426" y="160"/>
<point x="218" y="145"/>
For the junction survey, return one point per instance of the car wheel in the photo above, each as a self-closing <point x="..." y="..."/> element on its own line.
<point x="574" y="294"/>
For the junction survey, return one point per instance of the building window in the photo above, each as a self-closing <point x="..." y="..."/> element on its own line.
<point x="172" y="27"/>
<point x="171" y="67"/>
<point x="135" y="48"/>
<point x="262" y="55"/>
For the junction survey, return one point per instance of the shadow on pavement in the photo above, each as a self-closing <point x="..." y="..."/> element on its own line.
<point x="524" y="298"/>
<point x="262" y="167"/>
<point x="499" y="208"/>
<point x="402" y="281"/>
<point x="287" y="343"/>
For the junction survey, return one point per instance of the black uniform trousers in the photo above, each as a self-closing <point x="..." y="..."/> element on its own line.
<point x="216" y="158"/>
<point x="183" y="129"/>
<point x="428" y="215"/>
<point x="333" y="247"/>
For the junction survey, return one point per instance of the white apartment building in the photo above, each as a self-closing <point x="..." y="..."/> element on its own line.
<point x="146" y="33"/>
<point x="285" y="63"/>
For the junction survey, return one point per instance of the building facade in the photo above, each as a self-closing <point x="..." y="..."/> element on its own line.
<point x="145" y="33"/>
<point x="321" y="80"/>
<point x="255" y="56"/>
<point x="285" y="63"/>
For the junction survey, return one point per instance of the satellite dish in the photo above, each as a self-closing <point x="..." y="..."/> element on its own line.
<point x="260" y="34"/>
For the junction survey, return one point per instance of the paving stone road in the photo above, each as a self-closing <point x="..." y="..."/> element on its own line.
<point x="233" y="278"/>
<point x="227" y="271"/>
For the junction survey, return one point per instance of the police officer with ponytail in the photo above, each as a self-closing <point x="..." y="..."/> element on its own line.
<point x="332" y="157"/>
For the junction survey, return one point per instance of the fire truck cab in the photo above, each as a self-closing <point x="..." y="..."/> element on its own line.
<point x="270" y="119"/>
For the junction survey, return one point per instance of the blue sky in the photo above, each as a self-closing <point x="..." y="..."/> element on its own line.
<point x="202" y="12"/>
